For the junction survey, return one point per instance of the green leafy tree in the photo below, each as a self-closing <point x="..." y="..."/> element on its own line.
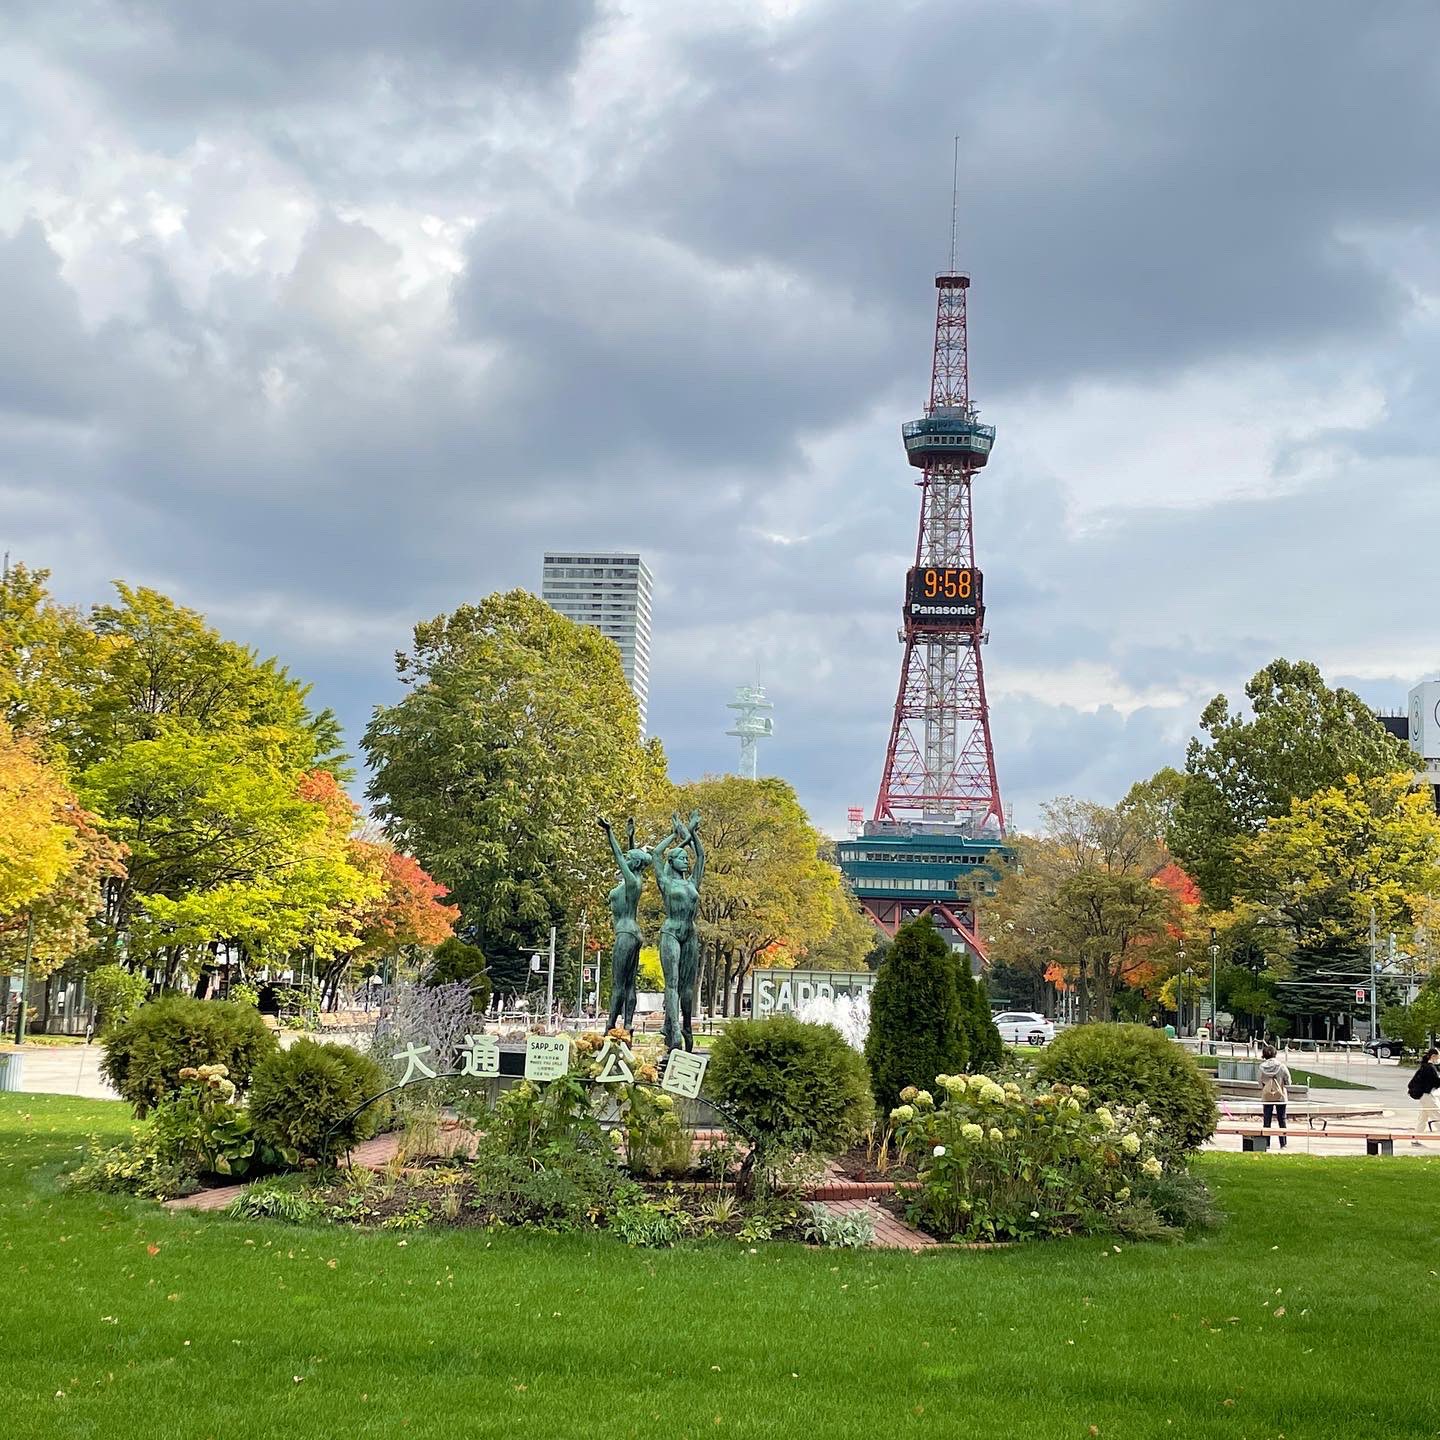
<point x="517" y="730"/>
<point x="163" y="671"/>
<point x="222" y="847"/>
<point x="48" y="657"/>
<point x="1311" y="879"/>
<point x="770" y="895"/>
<point x="1088" y="893"/>
<point x="1301" y="737"/>
<point x="917" y="1022"/>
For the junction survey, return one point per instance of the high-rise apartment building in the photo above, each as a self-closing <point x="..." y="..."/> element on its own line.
<point x="612" y="593"/>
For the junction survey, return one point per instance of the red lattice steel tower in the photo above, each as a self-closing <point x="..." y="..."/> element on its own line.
<point x="940" y="764"/>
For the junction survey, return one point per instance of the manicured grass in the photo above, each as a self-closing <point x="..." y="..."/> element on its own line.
<point x="1300" y="1077"/>
<point x="1303" y="1317"/>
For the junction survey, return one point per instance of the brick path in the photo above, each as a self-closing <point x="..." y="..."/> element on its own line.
<point x="372" y="1155"/>
<point x="890" y="1233"/>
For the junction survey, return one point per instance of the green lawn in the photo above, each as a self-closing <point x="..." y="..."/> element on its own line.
<point x="1299" y="1076"/>
<point x="1304" y="1317"/>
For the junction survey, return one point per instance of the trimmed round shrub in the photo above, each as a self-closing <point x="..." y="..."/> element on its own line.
<point x="300" y="1099"/>
<point x="790" y="1085"/>
<point x="917" y="1022"/>
<point x="455" y="962"/>
<point x="1125" y="1064"/>
<point x="145" y="1054"/>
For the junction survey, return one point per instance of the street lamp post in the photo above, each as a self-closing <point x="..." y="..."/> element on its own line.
<point x="1180" y="998"/>
<point x="1189" y="984"/>
<point x="1214" y="966"/>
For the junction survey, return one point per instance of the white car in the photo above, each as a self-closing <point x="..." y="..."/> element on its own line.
<point x="1024" y="1027"/>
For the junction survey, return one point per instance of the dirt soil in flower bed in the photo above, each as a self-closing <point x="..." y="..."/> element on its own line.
<point x="416" y="1200"/>
<point x="859" y="1164"/>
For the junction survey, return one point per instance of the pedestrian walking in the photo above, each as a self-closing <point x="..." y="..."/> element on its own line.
<point x="1423" y="1086"/>
<point x="1274" y="1089"/>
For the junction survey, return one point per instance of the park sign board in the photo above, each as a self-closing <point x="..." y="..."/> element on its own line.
<point x="782" y="992"/>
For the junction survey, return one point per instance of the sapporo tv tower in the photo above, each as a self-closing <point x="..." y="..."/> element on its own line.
<point x="936" y="841"/>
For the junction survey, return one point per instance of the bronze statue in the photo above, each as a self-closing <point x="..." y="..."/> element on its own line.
<point x="624" y="901"/>
<point x="679" y="944"/>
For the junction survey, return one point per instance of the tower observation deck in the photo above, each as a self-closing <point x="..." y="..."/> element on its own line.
<point x="936" y="839"/>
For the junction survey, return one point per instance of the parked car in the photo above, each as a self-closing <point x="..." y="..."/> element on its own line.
<point x="1382" y="1048"/>
<point x="1024" y="1027"/>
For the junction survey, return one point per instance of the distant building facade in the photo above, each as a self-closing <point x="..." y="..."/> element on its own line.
<point x="612" y="593"/>
<point x="1420" y="728"/>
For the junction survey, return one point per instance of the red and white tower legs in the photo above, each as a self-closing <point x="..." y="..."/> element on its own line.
<point x="940" y="764"/>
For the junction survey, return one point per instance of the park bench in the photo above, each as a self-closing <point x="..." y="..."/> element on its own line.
<point x="1377" y="1141"/>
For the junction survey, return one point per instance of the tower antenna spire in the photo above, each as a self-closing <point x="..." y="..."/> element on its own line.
<point x="954" y="199"/>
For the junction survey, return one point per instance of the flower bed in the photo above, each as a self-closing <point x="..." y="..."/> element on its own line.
<point x="1016" y="1161"/>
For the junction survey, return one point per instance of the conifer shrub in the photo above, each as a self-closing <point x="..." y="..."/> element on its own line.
<point x="917" y="1024"/>
<point x="457" y="962"/>
<point x="145" y="1054"/>
<point x="790" y="1086"/>
<point x="986" y="1048"/>
<point x="1133" y="1064"/>
<point x="302" y="1099"/>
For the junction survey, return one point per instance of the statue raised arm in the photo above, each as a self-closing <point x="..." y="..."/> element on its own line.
<point x="624" y="903"/>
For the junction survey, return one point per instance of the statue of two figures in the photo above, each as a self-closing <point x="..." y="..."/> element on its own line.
<point x="678" y="879"/>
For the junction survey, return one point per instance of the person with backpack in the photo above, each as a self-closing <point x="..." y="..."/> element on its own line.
<point x="1274" y="1089"/>
<point x="1423" y="1085"/>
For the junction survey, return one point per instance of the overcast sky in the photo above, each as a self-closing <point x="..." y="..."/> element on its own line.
<point x="327" y="315"/>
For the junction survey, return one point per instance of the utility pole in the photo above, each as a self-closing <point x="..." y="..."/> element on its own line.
<point x="550" y="983"/>
<point x="580" y="971"/>
<point x="25" y="973"/>
<point x="1373" y="944"/>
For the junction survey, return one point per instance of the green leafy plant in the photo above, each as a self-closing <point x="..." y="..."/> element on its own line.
<point x="851" y="1231"/>
<point x="644" y="1223"/>
<point x="655" y="1142"/>
<point x="719" y="1210"/>
<point x="243" y="994"/>
<point x="117" y="993"/>
<point x="136" y="1168"/>
<point x="559" y="1186"/>
<point x="305" y="1098"/>
<point x="276" y="1199"/>
<point x="917" y="1024"/>
<point x="790" y="1086"/>
<point x="1133" y="1064"/>
<point x="145" y="1054"/>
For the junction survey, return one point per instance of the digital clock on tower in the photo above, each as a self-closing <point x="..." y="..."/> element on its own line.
<point x="944" y="592"/>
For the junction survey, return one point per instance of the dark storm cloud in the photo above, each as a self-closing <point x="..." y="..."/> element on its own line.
<point x="1141" y="184"/>
<point x="181" y="57"/>
<point x="690" y="320"/>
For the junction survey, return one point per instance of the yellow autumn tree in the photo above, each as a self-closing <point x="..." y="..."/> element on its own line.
<point x="37" y="845"/>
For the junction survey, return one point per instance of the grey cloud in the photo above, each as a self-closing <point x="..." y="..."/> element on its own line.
<point x="1141" y="186"/>
<point x="683" y="360"/>
<point x="178" y="58"/>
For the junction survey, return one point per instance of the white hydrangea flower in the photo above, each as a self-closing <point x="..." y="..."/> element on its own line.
<point x="973" y="1132"/>
<point x="1130" y="1143"/>
<point x="938" y="1151"/>
<point x="1152" y="1167"/>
